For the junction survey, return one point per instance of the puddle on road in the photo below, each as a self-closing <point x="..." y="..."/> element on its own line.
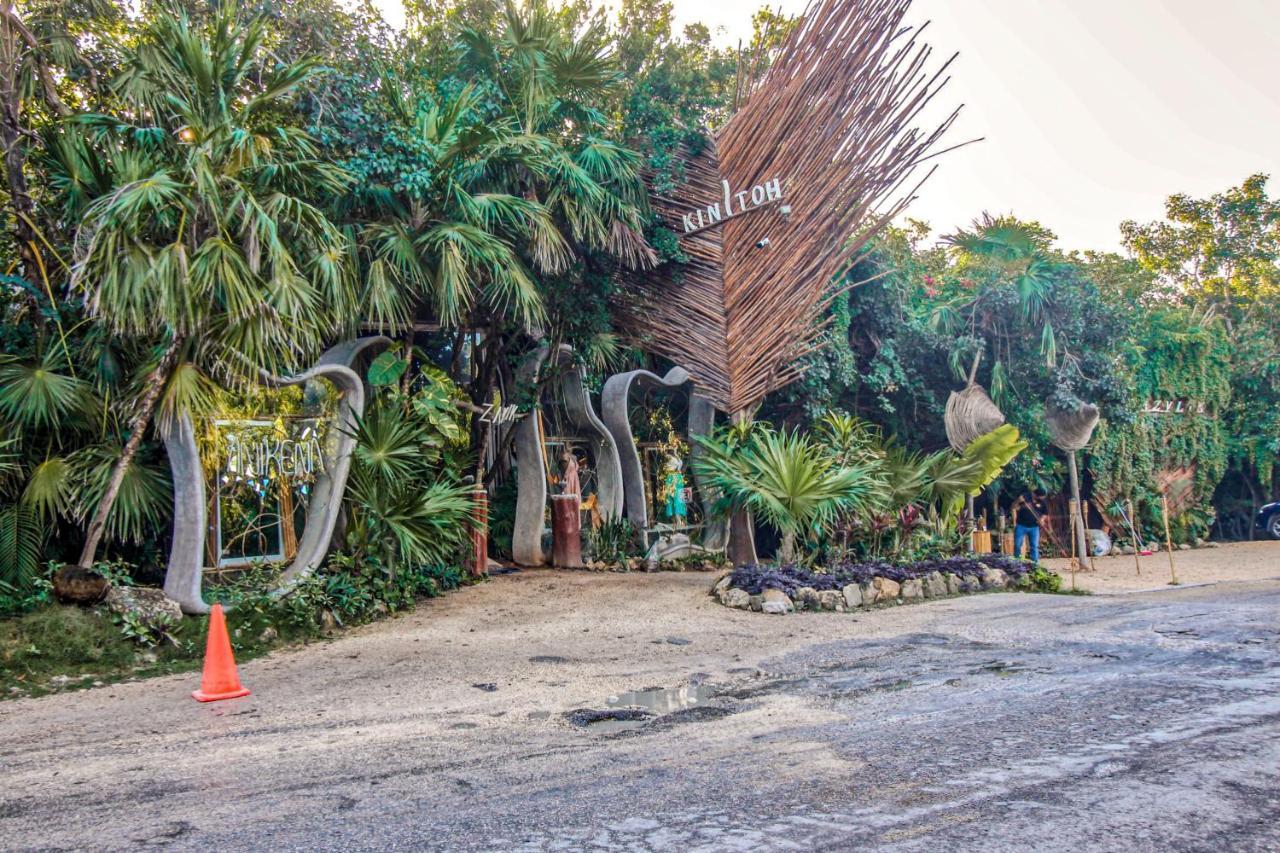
<point x="637" y="708"/>
<point x="610" y="726"/>
<point x="662" y="701"/>
<point x="611" y="720"/>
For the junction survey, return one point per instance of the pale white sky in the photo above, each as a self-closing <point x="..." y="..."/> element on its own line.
<point x="1093" y="110"/>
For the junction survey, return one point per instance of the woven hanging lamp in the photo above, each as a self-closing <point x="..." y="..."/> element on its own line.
<point x="1070" y="430"/>
<point x="970" y="415"/>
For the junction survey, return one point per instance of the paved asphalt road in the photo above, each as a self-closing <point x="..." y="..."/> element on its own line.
<point x="1149" y="721"/>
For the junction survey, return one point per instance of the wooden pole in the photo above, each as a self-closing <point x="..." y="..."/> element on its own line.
<point x="288" y="534"/>
<point x="1077" y="523"/>
<point x="1088" y="540"/>
<point x="1137" y="547"/>
<point x="741" y="549"/>
<point x="479" y="524"/>
<point x="1168" y="538"/>
<point x="1075" y="558"/>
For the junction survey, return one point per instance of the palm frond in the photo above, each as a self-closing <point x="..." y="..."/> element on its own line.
<point x="22" y="540"/>
<point x="146" y="492"/>
<point x="50" y="489"/>
<point x="41" y="397"/>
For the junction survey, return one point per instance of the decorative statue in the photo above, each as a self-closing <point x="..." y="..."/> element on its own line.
<point x="569" y="484"/>
<point x="673" y="491"/>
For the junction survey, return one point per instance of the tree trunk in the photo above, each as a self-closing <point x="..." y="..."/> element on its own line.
<point x="11" y="136"/>
<point x="137" y="429"/>
<point x="741" y="549"/>
<point x="1076" y="518"/>
<point x="787" y="550"/>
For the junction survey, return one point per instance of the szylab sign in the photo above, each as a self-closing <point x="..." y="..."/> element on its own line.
<point x="758" y="196"/>
<point x="1176" y="407"/>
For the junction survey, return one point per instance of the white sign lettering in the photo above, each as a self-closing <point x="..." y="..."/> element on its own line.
<point x="1176" y="407"/>
<point x="733" y="204"/>
<point x="500" y="414"/>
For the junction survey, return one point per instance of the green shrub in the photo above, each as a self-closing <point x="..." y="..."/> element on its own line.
<point x="1043" y="580"/>
<point x="614" y="541"/>
<point x="60" y="638"/>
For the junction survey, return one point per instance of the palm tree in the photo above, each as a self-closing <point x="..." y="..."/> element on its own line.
<point x="513" y="186"/>
<point x="786" y="479"/>
<point x="207" y="242"/>
<point x="914" y="483"/>
<point x="998" y="254"/>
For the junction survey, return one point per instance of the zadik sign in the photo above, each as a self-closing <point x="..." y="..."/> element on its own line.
<point x="734" y="204"/>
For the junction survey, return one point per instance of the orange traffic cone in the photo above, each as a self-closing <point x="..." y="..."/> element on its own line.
<point x="221" y="681"/>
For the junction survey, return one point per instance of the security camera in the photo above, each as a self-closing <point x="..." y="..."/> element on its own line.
<point x="763" y="244"/>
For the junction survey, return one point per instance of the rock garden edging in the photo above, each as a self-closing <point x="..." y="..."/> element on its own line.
<point x="785" y="590"/>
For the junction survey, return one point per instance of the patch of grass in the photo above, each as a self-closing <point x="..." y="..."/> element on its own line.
<point x="60" y="640"/>
<point x="60" y="647"/>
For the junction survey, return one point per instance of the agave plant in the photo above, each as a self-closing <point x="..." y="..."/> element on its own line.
<point x="787" y="480"/>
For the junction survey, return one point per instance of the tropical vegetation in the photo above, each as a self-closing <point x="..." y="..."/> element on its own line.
<point x="198" y="192"/>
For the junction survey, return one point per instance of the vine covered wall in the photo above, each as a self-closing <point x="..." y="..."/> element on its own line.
<point x="1172" y="357"/>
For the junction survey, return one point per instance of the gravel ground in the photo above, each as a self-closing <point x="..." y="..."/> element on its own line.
<point x="993" y="722"/>
<point x="1235" y="561"/>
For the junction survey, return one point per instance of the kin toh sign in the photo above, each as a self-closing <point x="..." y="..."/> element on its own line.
<point x="733" y="204"/>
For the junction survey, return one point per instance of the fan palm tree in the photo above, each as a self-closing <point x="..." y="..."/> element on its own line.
<point x="1002" y="253"/>
<point x="785" y="479"/>
<point x="510" y="189"/>
<point x="520" y="182"/>
<point x="207" y="242"/>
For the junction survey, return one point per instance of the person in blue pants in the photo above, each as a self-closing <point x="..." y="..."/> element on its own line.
<point x="1027" y="512"/>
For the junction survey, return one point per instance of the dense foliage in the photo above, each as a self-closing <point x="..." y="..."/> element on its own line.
<point x="1183" y="321"/>
<point x="197" y="191"/>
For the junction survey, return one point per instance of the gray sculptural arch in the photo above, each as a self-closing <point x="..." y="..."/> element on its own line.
<point x="615" y="401"/>
<point x="184" y="579"/>
<point x="531" y="495"/>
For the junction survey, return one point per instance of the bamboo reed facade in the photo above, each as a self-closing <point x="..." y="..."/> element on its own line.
<point x="834" y="120"/>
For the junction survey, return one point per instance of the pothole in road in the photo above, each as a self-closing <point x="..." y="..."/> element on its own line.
<point x="1001" y="668"/>
<point x="662" y="700"/>
<point x="609" y="720"/>
<point x="636" y="709"/>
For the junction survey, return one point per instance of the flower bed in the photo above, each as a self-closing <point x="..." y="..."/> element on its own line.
<point x="846" y="586"/>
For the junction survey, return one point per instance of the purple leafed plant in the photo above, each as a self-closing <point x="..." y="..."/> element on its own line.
<point x="755" y="579"/>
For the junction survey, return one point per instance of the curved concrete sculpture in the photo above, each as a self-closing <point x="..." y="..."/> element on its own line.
<point x="615" y="401"/>
<point x="183" y="578"/>
<point x="185" y="573"/>
<point x="531" y="498"/>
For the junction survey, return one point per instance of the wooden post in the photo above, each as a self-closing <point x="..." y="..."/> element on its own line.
<point x="1168" y="538"/>
<point x="741" y="549"/>
<point x="1088" y="540"/>
<point x="1075" y="558"/>
<point x="479" y="556"/>
<point x="288" y="534"/>
<point x="1077" y="523"/>
<point x="1137" y="546"/>
<point x="566" y="531"/>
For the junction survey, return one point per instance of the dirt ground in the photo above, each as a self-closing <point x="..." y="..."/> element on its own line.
<point x="993" y="723"/>
<point x="1236" y="561"/>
